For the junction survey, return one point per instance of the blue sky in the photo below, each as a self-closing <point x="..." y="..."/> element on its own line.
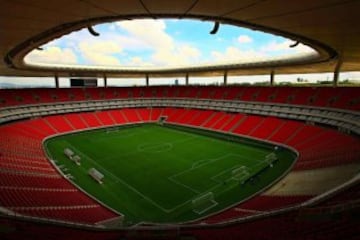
<point x="163" y="43"/>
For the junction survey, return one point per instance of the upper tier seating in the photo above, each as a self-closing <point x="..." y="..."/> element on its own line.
<point x="343" y="98"/>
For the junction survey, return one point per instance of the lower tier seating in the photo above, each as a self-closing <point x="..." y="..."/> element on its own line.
<point x="259" y="204"/>
<point x="30" y="185"/>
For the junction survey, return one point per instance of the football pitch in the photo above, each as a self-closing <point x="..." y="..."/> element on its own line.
<point x="168" y="174"/>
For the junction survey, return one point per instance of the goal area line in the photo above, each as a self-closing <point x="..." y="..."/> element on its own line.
<point x="203" y="203"/>
<point x="235" y="175"/>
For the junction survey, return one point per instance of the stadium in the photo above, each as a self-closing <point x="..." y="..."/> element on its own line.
<point x="186" y="160"/>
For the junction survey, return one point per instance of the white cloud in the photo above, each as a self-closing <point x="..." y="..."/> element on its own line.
<point x="244" y="39"/>
<point x="151" y="35"/>
<point x="189" y="51"/>
<point x="137" y="61"/>
<point x="52" y="55"/>
<point x="112" y="27"/>
<point x="151" y="32"/>
<point x="130" y="43"/>
<point x="102" y="47"/>
<point x="284" y="46"/>
<point x="301" y="48"/>
<point x="276" y="46"/>
<point x="350" y="76"/>
<point x="181" y="55"/>
<point x="235" y="54"/>
<point x="100" y="52"/>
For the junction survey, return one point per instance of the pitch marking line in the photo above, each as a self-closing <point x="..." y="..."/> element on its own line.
<point x="218" y="182"/>
<point x="137" y="150"/>
<point x="193" y="166"/>
<point x="91" y="160"/>
<point x="184" y="185"/>
<point x="155" y="147"/>
<point x="173" y="177"/>
<point x="170" y="144"/>
<point x="123" y="133"/>
<point x="128" y="185"/>
<point x="120" y="180"/>
<point x="206" y="161"/>
<point x="227" y="170"/>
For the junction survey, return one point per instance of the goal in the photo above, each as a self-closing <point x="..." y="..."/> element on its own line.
<point x="203" y="203"/>
<point x="240" y="174"/>
<point x="162" y="120"/>
<point x="270" y="159"/>
<point x="111" y="130"/>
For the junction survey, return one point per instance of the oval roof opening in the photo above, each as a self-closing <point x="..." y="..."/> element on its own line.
<point x="147" y="44"/>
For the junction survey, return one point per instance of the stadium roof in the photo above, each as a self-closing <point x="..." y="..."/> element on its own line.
<point x="329" y="26"/>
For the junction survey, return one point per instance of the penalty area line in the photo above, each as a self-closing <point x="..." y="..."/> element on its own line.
<point x="125" y="183"/>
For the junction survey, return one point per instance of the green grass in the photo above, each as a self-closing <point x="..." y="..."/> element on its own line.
<point x="152" y="173"/>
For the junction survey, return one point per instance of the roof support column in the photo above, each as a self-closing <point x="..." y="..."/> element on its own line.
<point x="272" y="78"/>
<point x="147" y="80"/>
<point x="336" y="72"/>
<point x="105" y="81"/>
<point x="187" y="79"/>
<point x="57" y="81"/>
<point x="225" y="77"/>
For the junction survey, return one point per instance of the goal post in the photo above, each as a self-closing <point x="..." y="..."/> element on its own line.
<point x="162" y="120"/>
<point x="271" y="158"/>
<point x="203" y="203"/>
<point x="111" y="130"/>
<point x="240" y="174"/>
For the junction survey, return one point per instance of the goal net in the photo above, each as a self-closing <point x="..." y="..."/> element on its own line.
<point x="270" y="159"/>
<point x="162" y="120"/>
<point x="111" y="130"/>
<point x="240" y="174"/>
<point x="203" y="203"/>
